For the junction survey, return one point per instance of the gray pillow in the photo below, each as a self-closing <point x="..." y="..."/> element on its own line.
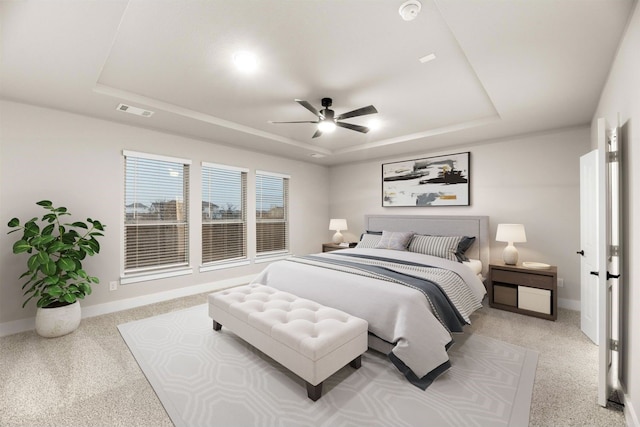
<point x="397" y="240"/>
<point x="440" y="246"/>
<point x="463" y="247"/>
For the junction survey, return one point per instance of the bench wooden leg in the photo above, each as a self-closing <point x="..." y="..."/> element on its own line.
<point x="356" y="363"/>
<point x="216" y="326"/>
<point x="314" y="391"/>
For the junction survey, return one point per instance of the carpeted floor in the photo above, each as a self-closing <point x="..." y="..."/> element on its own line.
<point x="90" y="378"/>
<point x="216" y="379"/>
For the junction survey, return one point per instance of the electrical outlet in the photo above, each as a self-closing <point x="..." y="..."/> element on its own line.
<point x="561" y="283"/>
<point x="113" y="286"/>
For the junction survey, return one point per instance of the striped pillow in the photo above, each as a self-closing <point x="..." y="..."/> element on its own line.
<point x="440" y="246"/>
<point x="369" y="241"/>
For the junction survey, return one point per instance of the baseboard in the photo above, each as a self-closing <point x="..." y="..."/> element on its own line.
<point x="569" y="304"/>
<point x="630" y="414"/>
<point x="22" y="325"/>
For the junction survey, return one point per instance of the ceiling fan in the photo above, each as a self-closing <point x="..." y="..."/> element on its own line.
<point x="327" y="120"/>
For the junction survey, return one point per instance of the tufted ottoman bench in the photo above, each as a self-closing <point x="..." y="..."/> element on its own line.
<point x="309" y="339"/>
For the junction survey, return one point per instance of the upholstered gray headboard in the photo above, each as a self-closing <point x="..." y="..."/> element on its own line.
<point x="477" y="226"/>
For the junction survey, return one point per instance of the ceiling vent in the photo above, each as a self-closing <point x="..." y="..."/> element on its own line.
<point x="134" y="110"/>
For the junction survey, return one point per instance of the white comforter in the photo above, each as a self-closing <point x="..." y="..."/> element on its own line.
<point x="398" y="314"/>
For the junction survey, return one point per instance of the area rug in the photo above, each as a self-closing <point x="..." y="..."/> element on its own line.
<point x="207" y="378"/>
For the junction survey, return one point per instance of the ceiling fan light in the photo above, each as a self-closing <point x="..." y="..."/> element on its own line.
<point x="326" y="126"/>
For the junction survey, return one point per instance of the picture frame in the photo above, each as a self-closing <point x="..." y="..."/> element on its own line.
<point x="431" y="181"/>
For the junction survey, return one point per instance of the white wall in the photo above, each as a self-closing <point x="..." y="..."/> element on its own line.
<point x="77" y="162"/>
<point x="620" y="105"/>
<point x="533" y="180"/>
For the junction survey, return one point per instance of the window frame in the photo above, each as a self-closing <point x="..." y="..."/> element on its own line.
<point x="160" y="271"/>
<point x="229" y="262"/>
<point x="262" y="256"/>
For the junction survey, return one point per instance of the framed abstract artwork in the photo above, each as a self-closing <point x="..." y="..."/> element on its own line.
<point x="432" y="181"/>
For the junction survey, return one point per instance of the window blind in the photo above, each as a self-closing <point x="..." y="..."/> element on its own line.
<point x="224" y="213"/>
<point x="272" y="216"/>
<point x="156" y="212"/>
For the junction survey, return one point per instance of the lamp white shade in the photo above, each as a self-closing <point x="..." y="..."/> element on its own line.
<point x="510" y="233"/>
<point x="338" y="224"/>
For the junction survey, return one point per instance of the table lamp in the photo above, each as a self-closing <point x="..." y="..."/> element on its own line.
<point x="338" y="224"/>
<point x="510" y="233"/>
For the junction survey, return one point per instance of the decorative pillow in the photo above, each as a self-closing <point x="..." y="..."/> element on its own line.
<point x="397" y="240"/>
<point x="463" y="246"/>
<point x="379" y="233"/>
<point x="369" y="241"/>
<point x="440" y="246"/>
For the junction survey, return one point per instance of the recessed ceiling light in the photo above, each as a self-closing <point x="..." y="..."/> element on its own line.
<point x="374" y="124"/>
<point x="245" y="61"/>
<point x="427" y="58"/>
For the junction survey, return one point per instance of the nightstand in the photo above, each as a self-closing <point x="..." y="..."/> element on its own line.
<point x="328" y="247"/>
<point x="529" y="291"/>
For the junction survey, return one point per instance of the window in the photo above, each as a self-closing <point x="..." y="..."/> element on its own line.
<point x="224" y="213"/>
<point x="156" y="235"/>
<point x="272" y="213"/>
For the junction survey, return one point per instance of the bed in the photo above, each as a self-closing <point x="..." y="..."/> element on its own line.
<point x="412" y="299"/>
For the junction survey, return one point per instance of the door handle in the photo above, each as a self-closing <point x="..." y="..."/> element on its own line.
<point x="612" y="276"/>
<point x="595" y="273"/>
<point x="580" y="253"/>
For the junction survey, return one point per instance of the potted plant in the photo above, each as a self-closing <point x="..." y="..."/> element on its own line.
<point x="55" y="277"/>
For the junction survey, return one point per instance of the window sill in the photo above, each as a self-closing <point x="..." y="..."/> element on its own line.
<point x="270" y="258"/>
<point x="222" y="266"/>
<point x="144" y="277"/>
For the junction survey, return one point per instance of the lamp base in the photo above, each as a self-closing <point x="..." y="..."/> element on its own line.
<point x="510" y="255"/>
<point x="338" y="238"/>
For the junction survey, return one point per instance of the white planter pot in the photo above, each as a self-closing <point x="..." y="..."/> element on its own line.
<point x="58" y="321"/>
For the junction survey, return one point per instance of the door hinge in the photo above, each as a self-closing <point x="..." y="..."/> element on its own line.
<point x="613" y="345"/>
<point x="614" y="250"/>
<point x="613" y="156"/>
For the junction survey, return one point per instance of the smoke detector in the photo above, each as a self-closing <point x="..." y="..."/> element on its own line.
<point x="410" y="9"/>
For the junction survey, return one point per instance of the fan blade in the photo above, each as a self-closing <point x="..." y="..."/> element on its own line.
<point x="358" y="128"/>
<point x="317" y="134"/>
<point x="359" y="112"/>
<point x="271" y="121"/>
<point x="309" y="107"/>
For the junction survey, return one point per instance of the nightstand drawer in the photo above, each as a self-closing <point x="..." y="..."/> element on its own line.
<point x="506" y="295"/>
<point x="520" y="278"/>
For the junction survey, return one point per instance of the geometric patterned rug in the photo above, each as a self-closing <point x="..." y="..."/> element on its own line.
<point x="204" y="378"/>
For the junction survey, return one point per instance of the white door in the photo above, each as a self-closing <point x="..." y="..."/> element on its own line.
<point x="589" y="245"/>
<point x="609" y="250"/>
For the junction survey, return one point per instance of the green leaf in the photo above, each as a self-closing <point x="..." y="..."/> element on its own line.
<point x="50" y="217"/>
<point x="14" y="222"/>
<point x="54" y="291"/>
<point x="66" y="264"/>
<point x="21" y="246"/>
<point x="51" y="280"/>
<point x="49" y="268"/>
<point x="44" y="203"/>
<point x="60" y="210"/>
<point x="33" y="262"/>
<point x="48" y="230"/>
<point x="57" y="247"/>
<point x="70" y="298"/>
<point x="43" y="257"/>
<point x="31" y="229"/>
<point x="79" y="224"/>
